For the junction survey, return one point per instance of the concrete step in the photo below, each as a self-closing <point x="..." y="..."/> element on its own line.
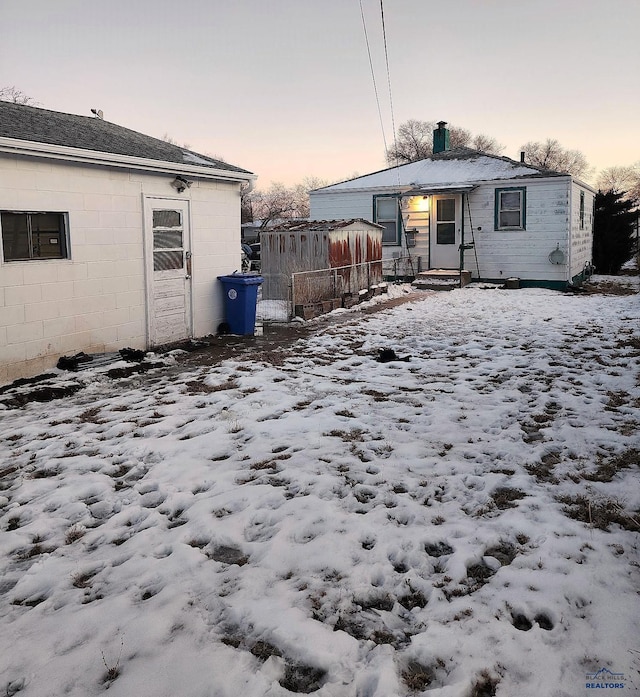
<point x="441" y="279"/>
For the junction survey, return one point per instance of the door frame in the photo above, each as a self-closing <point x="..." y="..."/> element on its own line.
<point x="454" y="262"/>
<point x="148" y="202"/>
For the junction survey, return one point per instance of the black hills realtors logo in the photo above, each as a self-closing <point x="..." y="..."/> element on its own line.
<point x="604" y="678"/>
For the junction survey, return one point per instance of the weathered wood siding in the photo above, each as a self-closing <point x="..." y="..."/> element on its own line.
<point x="520" y="253"/>
<point x="285" y="252"/>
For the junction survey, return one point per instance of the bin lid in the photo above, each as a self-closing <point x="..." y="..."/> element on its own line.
<point x="242" y="279"/>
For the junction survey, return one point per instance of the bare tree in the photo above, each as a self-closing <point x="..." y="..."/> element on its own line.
<point x="486" y="144"/>
<point x="621" y="180"/>
<point x="414" y="141"/>
<point x="16" y="96"/>
<point x="552" y="156"/>
<point x="172" y="141"/>
<point x="301" y="193"/>
<point x="279" y="201"/>
<point x="276" y="202"/>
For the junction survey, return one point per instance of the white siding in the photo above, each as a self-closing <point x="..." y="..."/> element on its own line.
<point x="581" y="237"/>
<point x="523" y="254"/>
<point x="498" y="254"/>
<point x="347" y="204"/>
<point x="416" y="217"/>
<point x="96" y="301"/>
<point x="341" y="206"/>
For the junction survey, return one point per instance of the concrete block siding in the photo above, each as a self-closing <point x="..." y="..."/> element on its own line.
<point x="95" y="300"/>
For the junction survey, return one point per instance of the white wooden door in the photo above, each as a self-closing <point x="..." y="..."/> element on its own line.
<point x="168" y="270"/>
<point x="445" y="232"/>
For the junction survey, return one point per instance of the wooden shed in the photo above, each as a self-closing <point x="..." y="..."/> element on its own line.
<point x="321" y="260"/>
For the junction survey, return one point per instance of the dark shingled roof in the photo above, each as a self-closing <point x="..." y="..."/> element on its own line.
<point x="89" y="133"/>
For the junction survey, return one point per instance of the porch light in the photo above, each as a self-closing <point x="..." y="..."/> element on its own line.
<point x="423" y="203"/>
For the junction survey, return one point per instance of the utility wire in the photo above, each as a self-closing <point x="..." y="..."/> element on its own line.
<point x="386" y="57"/>
<point x="373" y="77"/>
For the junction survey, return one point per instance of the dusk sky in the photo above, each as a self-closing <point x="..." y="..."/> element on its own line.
<point x="283" y="88"/>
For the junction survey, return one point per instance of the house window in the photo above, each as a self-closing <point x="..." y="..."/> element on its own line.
<point x="582" y="210"/>
<point x="510" y="211"/>
<point x="386" y="213"/>
<point x="27" y="236"/>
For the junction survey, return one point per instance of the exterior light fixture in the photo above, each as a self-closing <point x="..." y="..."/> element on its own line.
<point x="180" y="184"/>
<point x="423" y="204"/>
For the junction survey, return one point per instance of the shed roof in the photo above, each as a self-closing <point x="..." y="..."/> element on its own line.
<point x="449" y="169"/>
<point x="28" y="123"/>
<point x="319" y="225"/>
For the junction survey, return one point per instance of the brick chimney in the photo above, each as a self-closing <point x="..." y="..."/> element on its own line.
<point x="441" y="138"/>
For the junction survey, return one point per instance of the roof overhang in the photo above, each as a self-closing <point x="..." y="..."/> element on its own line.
<point x="441" y="189"/>
<point x="59" y="152"/>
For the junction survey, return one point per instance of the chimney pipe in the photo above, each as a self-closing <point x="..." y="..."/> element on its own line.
<point x="441" y="138"/>
<point x="522" y="156"/>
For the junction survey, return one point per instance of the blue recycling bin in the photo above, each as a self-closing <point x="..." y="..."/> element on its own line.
<point x="240" y="301"/>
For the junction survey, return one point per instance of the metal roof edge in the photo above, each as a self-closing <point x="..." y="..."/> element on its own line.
<point x="320" y="224"/>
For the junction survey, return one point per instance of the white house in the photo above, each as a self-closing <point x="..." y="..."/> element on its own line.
<point x="110" y="238"/>
<point x="461" y="209"/>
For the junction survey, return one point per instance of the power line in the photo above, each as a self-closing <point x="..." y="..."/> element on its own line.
<point x="386" y="57"/>
<point x="373" y="77"/>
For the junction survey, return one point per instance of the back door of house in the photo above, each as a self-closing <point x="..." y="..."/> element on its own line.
<point x="445" y="232"/>
<point x="168" y="260"/>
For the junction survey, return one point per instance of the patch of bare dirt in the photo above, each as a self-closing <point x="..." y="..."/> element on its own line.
<point x="609" y="288"/>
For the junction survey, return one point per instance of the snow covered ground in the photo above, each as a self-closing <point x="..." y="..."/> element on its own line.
<point x="460" y="523"/>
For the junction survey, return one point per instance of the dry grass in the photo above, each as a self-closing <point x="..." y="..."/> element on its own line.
<point x="74" y="533"/>
<point x="599" y="514"/>
<point x="354" y="435"/>
<point x="608" y="469"/>
<point x="543" y="471"/>
<point x="417" y="677"/>
<point x="196" y="387"/>
<point x="609" y="288"/>
<point x="113" y="669"/>
<point x="485" y="685"/>
<point x="90" y="416"/>
<point x="82" y="579"/>
<point x="504" y="497"/>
